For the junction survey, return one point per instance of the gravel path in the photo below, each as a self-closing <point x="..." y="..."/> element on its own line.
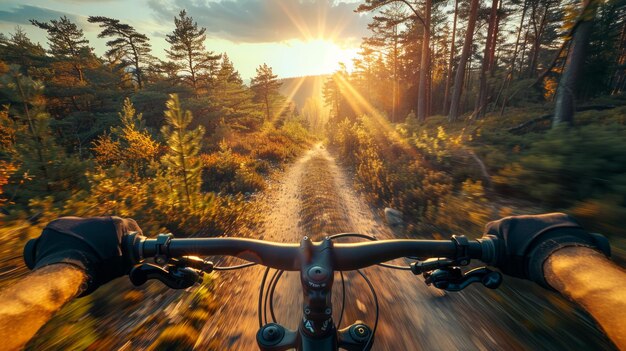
<point x="315" y="198"/>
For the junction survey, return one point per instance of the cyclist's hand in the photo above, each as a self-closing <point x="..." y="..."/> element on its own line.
<point x="525" y="242"/>
<point x="93" y="244"/>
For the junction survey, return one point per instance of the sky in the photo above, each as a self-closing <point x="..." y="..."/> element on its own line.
<point x="294" y="37"/>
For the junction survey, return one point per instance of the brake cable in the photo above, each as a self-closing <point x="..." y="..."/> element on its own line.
<point x="273" y="287"/>
<point x="343" y="298"/>
<point x="260" y="306"/>
<point x="369" y="283"/>
<point x="232" y="268"/>
<point x="267" y="295"/>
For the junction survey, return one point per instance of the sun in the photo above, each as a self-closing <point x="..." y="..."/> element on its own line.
<point x="324" y="56"/>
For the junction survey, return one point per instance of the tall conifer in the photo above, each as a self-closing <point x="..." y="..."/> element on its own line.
<point x="188" y="51"/>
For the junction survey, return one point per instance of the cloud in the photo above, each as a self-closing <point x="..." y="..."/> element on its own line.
<point x="87" y="1"/>
<point x="23" y="13"/>
<point x="257" y="21"/>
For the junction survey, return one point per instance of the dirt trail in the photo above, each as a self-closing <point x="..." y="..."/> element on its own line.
<point x="315" y="197"/>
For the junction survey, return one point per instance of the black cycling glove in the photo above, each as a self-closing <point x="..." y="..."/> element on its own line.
<point x="96" y="245"/>
<point x="527" y="241"/>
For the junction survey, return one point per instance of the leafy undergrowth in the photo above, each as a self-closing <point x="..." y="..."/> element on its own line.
<point x="133" y="174"/>
<point x="453" y="178"/>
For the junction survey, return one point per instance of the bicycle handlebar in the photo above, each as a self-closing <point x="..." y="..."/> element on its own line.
<point x="345" y="257"/>
<point x="316" y="261"/>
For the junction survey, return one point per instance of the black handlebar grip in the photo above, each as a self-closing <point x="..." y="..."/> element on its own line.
<point x="132" y="247"/>
<point x="492" y="249"/>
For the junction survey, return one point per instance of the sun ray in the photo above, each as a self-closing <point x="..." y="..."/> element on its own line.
<point x="290" y="95"/>
<point x="296" y="20"/>
<point x="362" y="107"/>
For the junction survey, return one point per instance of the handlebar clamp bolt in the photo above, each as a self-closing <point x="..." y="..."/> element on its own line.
<point x="270" y="335"/>
<point x="318" y="274"/>
<point x="360" y="333"/>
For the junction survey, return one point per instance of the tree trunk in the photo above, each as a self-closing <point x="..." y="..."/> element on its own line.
<point x="566" y="92"/>
<point x="481" y="99"/>
<point x="620" y="75"/>
<point x="193" y="73"/>
<point x="460" y="73"/>
<point x="394" y="99"/>
<point x="446" y="94"/>
<point x="532" y="69"/>
<point x="521" y="59"/>
<point x="267" y="106"/>
<point x="494" y="43"/>
<point x="429" y="90"/>
<point x="509" y="77"/>
<point x="137" y="64"/>
<point x="422" y="97"/>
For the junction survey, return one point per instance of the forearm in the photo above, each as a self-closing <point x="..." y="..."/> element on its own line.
<point x="27" y="305"/>
<point x="597" y="284"/>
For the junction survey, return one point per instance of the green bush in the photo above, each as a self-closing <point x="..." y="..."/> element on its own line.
<point x="570" y="165"/>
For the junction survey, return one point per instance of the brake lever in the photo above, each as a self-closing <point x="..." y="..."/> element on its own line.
<point x="194" y="262"/>
<point x="453" y="279"/>
<point x="175" y="277"/>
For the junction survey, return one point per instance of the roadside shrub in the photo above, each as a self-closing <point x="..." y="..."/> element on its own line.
<point x="295" y="131"/>
<point x="524" y="93"/>
<point x="273" y="151"/>
<point x="181" y="337"/>
<point x="570" y="165"/>
<point x="464" y="212"/>
<point x="605" y="215"/>
<point x="344" y="137"/>
<point x="231" y="173"/>
<point x="371" y="175"/>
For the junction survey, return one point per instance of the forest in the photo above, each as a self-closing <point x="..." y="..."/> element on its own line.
<point x="77" y="129"/>
<point x="180" y="145"/>
<point x="455" y="112"/>
<point x="464" y="111"/>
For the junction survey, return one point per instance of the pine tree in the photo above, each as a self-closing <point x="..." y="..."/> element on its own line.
<point x="8" y="131"/>
<point x="188" y="51"/>
<point x="423" y="18"/>
<point x="334" y="95"/>
<point x="181" y="160"/>
<point x="67" y="42"/>
<point x="20" y="50"/>
<point x="129" y="145"/>
<point x="233" y="99"/>
<point x="566" y="92"/>
<point x="265" y="87"/>
<point x="386" y="36"/>
<point x="457" y="91"/>
<point x="128" y="44"/>
<point x="41" y="159"/>
<point x="481" y="99"/>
